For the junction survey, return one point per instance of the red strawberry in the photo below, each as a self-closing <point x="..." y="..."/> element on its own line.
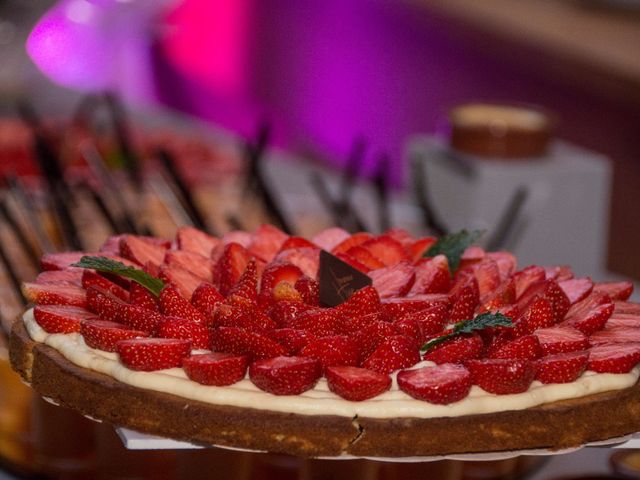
<point x="585" y="306"/>
<point x="352" y="241"/>
<point x="91" y="278"/>
<point x="353" y="262"/>
<point x="309" y="289"/>
<point x="432" y="275"/>
<point x="590" y="321"/>
<point x="465" y="297"/>
<point x="471" y="256"/>
<point x="350" y="325"/>
<point x="229" y="267"/>
<point x="243" y="342"/>
<point x="242" y="315"/>
<point x="527" y="277"/>
<point x="194" y="240"/>
<point x="104" y="335"/>
<point x="140" y="250"/>
<point x="561" y="368"/>
<point x="372" y="335"/>
<point x="431" y="320"/>
<point x="285" y="375"/>
<point x="61" y="318"/>
<point x="615" y="290"/>
<point x="393" y="281"/>
<point x="576" y="289"/>
<point x="631" y="308"/>
<point x="526" y="347"/>
<point x="174" y="304"/>
<point x="195" y="263"/>
<point x="538" y="314"/>
<point x="331" y="351"/>
<point x="551" y="291"/>
<point x="392" y="354"/>
<point x="487" y="275"/>
<point x="275" y="273"/>
<point x="505" y="294"/>
<point x="175" y="327"/>
<point x="396" y="308"/>
<point x="71" y="276"/>
<point x="149" y="354"/>
<point x="558" y="272"/>
<point x="365" y="301"/>
<point x="52" y="294"/>
<point x="235" y="236"/>
<point x="411" y="328"/>
<point x="292" y="340"/>
<point x="356" y="384"/>
<point x="247" y="285"/>
<point x="206" y="298"/>
<point x="400" y="235"/>
<point x="266" y="242"/>
<point x="139" y="295"/>
<point x="620" y="358"/>
<point x="419" y="248"/>
<point x="615" y="335"/>
<point x="219" y="369"/>
<point x="297" y="242"/>
<point x="561" y="339"/>
<point x="506" y="263"/>
<point x="104" y="303"/>
<point x="442" y="384"/>
<point x="456" y="350"/>
<point x="321" y="322"/>
<point x="329" y="238"/>
<point x="185" y="281"/>
<point x="285" y="312"/>
<point x="306" y="259"/>
<point x="501" y="376"/>
<point x="63" y="261"/>
<point x="386" y="249"/>
<point x="139" y="318"/>
<point x="284" y="291"/>
<point x="365" y="257"/>
<point x="624" y="320"/>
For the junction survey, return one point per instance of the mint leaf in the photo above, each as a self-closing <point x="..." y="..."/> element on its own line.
<point x="108" y="265"/>
<point x="480" y="322"/>
<point x="453" y="246"/>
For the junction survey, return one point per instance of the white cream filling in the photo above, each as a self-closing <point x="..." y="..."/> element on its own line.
<point x="320" y="401"/>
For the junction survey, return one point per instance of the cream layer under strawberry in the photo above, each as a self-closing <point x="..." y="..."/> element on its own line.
<point x="319" y="400"/>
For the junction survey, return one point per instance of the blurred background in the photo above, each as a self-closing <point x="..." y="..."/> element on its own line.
<point x="519" y="117"/>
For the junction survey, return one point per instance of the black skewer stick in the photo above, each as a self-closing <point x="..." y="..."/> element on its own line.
<point x="430" y="218"/>
<point x="509" y="219"/>
<point x="19" y="233"/>
<point x="381" y="186"/>
<point x="343" y="216"/>
<point x="103" y="208"/>
<point x="13" y="277"/>
<point x="185" y="195"/>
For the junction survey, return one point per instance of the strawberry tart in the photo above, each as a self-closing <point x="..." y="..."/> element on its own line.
<point x="230" y="341"/>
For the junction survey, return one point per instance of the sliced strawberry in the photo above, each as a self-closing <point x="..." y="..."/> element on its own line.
<point x="465" y="297"/>
<point x="229" y="267"/>
<point x="417" y="249"/>
<point x="306" y="259"/>
<point x="275" y="273"/>
<point x="526" y="347"/>
<point x="349" y="242"/>
<point x="365" y="301"/>
<point x="149" y="354"/>
<point x="309" y="289"/>
<point x="52" y="294"/>
<point x="91" y="278"/>
<point x="240" y="237"/>
<point x="60" y="261"/>
<point x="183" y="279"/>
<point x="550" y="290"/>
<point x="386" y="249"/>
<point x="174" y="304"/>
<point x="139" y="295"/>
<point x="471" y="256"/>
<point x="562" y="367"/>
<point x="396" y="308"/>
<point x="321" y="322"/>
<point x="456" y="350"/>
<point x="284" y="291"/>
<point x="501" y="376"/>
<point x="61" y="318"/>
<point x="623" y="320"/>
<point x="615" y="290"/>
<point x="104" y="303"/>
<point x="561" y="339"/>
<point x="632" y="308"/>
<point x="442" y="384"/>
<point x="331" y="351"/>
<point x="365" y="257"/>
<point x="216" y="368"/>
<point x="410" y="327"/>
<point x="247" y="285"/>
<point x="243" y="342"/>
<point x="328" y="239"/>
<point x="70" y="276"/>
<point x="393" y="281"/>
<point x="104" y="335"/>
<point x="296" y="243"/>
<point x="175" y="327"/>
<point x="527" y="277"/>
<point x="245" y="316"/>
<point x="506" y="263"/>
<point x="576" y="289"/>
<point x="392" y="354"/>
<point x="487" y="275"/>
<point x="585" y="306"/>
<point x="285" y="312"/>
<point x="538" y="314"/>
<point x="504" y="295"/>
<point x="193" y="240"/>
<point x="285" y="375"/>
<point x="206" y="298"/>
<point x="195" y="263"/>
<point x="616" y="334"/>
<point x="432" y="276"/>
<point x="292" y="340"/>
<point x="356" y="384"/>
<point x="353" y="262"/>
<point x="400" y="235"/>
<point x="139" y="318"/>
<point x="431" y="320"/>
<point x="558" y="272"/>
<point x="619" y="358"/>
<point x="372" y="335"/>
<point x="140" y="250"/>
<point x="592" y="320"/>
<point x="266" y="241"/>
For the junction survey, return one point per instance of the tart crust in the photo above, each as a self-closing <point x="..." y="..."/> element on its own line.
<point x="557" y="425"/>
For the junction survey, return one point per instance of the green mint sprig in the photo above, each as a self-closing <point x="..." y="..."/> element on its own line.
<point x="480" y="322"/>
<point x="453" y="246"/>
<point x="108" y="265"/>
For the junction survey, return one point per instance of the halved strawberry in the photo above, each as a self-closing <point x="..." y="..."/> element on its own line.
<point x="456" y="350"/>
<point x="538" y="314"/>
<point x="350" y="325"/>
<point x="184" y="280"/>
<point x="291" y="339"/>
<point x="362" y="302"/>
<point x="411" y="328"/>
<point x="60" y="261"/>
<point x="104" y="335"/>
<point x="590" y="321"/>
<point x="138" y="318"/>
<point x="465" y="297"/>
<point x="206" y="298"/>
<point x="195" y="263"/>
<point x="285" y="292"/>
<point x="331" y="351"/>
<point x="356" y="384"/>
<point x="329" y="238"/>
<point x="615" y="290"/>
<point x="353" y="262"/>
<point x="585" y="306"/>
<point x="141" y="250"/>
<point x="229" y="267"/>
<point x="487" y="275"/>
<point x="386" y="249"/>
<point x="243" y="342"/>
<point x="104" y="303"/>
<point x="365" y="257"/>
<point x="285" y="312"/>
<point x="174" y="304"/>
<point x="558" y="272"/>
<point x="70" y="276"/>
<point x="139" y="295"/>
<point x="266" y="242"/>
<point x="193" y="240"/>
<point x="620" y="358"/>
<point x="242" y="315"/>
<point x="52" y="294"/>
<point x="285" y="375"/>
<point x="149" y="354"/>
<point x="309" y="289"/>
<point x="393" y="281"/>
<point x="526" y="347"/>
<point x="432" y="275"/>
<point x="61" y="318"/>
<point x="576" y="289"/>
<point x="400" y="235"/>
<point x="417" y="249"/>
<point x="623" y="320"/>
<point x="471" y="256"/>
<point x="176" y="327"/>
<point x="632" y="308"/>
<point x="247" y="285"/>
<point x="442" y="384"/>
<point x="506" y="263"/>
<point x="396" y="308"/>
<point x="216" y="368"/>
<point x="615" y="335"/>
<point x="275" y="273"/>
<point x="349" y="242"/>
<point x="501" y="376"/>
<point x="236" y="236"/>
<point x="392" y="354"/>
<point x="561" y="339"/>
<point x="92" y="278"/>
<point x="431" y="320"/>
<point x="321" y="322"/>
<point x="551" y="291"/>
<point x="527" y="277"/>
<point x="504" y="295"/>
<point x="294" y="242"/>
<point x="306" y="259"/>
<point x="372" y="335"/>
<point x="562" y="367"/>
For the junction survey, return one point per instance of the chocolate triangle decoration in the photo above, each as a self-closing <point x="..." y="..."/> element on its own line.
<point x="338" y="280"/>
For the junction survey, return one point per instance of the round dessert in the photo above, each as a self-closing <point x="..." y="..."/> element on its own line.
<point x="228" y="341"/>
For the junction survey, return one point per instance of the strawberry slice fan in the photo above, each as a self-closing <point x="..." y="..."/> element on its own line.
<point x="338" y="345"/>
